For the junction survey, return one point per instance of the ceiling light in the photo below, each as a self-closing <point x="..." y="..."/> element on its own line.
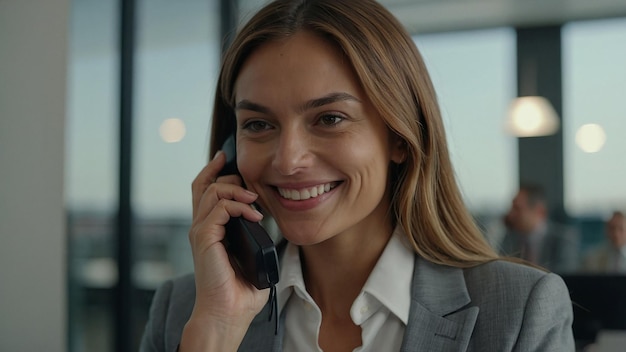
<point x="532" y="116"/>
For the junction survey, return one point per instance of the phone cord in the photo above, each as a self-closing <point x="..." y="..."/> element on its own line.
<point x="274" y="307"/>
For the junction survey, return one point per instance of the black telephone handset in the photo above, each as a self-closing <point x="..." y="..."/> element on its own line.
<point x="248" y="242"/>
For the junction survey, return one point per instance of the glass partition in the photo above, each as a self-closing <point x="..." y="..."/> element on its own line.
<point x="91" y="173"/>
<point x="177" y="61"/>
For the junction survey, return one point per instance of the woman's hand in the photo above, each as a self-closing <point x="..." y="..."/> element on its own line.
<point x="225" y="302"/>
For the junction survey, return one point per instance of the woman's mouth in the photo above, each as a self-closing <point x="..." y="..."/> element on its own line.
<point x="306" y="193"/>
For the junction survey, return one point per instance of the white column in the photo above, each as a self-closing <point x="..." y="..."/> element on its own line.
<point x="33" y="280"/>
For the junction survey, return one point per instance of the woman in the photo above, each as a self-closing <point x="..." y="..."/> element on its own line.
<point x="340" y="139"/>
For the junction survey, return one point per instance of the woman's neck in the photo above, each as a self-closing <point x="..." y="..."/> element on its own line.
<point x="336" y="270"/>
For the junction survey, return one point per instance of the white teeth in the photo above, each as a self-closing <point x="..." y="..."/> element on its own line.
<point x="306" y="193"/>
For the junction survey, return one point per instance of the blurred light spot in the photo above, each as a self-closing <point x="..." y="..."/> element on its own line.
<point x="172" y="130"/>
<point x="532" y="116"/>
<point x="590" y="138"/>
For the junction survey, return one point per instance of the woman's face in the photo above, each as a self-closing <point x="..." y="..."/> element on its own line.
<point x="310" y="143"/>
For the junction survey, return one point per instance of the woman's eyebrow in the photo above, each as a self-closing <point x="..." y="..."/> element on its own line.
<point x="327" y="99"/>
<point x="246" y="104"/>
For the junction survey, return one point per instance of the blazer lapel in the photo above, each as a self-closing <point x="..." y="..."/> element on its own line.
<point x="440" y="317"/>
<point x="261" y="336"/>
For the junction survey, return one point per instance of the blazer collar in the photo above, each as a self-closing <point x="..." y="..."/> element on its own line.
<point x="440" y="317"/>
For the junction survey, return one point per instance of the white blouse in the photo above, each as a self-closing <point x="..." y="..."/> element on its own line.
<point x="381" y="309"/>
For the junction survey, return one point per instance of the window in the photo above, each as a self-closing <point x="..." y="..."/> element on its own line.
<point x="593" y="107"/>
<point x="176" y="65"/>
<point x="91" y="173"/>
<point x="177" y="62"/>
<point x="474" y="76"/>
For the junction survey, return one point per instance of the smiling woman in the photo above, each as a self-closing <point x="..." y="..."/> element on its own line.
<point x="340" y="140"/>
<point x="303" y="122"/>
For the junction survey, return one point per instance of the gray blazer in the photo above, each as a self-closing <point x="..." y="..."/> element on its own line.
<point x="498" y="306"/>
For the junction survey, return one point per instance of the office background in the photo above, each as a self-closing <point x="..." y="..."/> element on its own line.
<point x="101" y="133"/>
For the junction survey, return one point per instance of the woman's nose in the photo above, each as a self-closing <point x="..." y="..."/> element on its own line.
<point x="293" y="152"/>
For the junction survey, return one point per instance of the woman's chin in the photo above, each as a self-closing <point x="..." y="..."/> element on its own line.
<point x="299" y="235"/>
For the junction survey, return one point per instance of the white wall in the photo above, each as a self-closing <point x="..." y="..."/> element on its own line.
<point x="33" y="54"/>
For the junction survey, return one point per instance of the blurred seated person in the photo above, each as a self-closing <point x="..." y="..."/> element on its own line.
<point x="610" y="257"/>
<point x="530" y="234"/>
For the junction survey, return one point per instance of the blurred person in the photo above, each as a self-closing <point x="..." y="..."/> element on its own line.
<point x="610" y="257"/>
<point x="340" y="140"/>
<point x="532" y="236"/>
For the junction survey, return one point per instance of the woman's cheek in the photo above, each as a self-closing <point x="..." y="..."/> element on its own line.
<point x="250" y="169"/>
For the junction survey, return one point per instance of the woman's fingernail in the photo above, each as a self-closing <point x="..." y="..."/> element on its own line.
<point x="251" y="193"/>
<point x="217" y="154"/>
<point x="258" y="212"/>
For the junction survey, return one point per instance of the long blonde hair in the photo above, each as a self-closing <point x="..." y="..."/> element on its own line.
<point x="426" y="199"/>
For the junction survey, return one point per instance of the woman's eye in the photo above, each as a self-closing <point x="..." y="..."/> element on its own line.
<point x="330" y="120"/>
<point x="256" y="126"/>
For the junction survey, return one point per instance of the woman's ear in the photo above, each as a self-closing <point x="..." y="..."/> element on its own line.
<point x="398" y="149"/>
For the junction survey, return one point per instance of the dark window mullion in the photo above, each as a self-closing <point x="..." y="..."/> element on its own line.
<point x="124" y="289"/>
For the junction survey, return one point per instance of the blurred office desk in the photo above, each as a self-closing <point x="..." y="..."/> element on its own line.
<point x="608" y="341"/>
<point x="599" y="305"/>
